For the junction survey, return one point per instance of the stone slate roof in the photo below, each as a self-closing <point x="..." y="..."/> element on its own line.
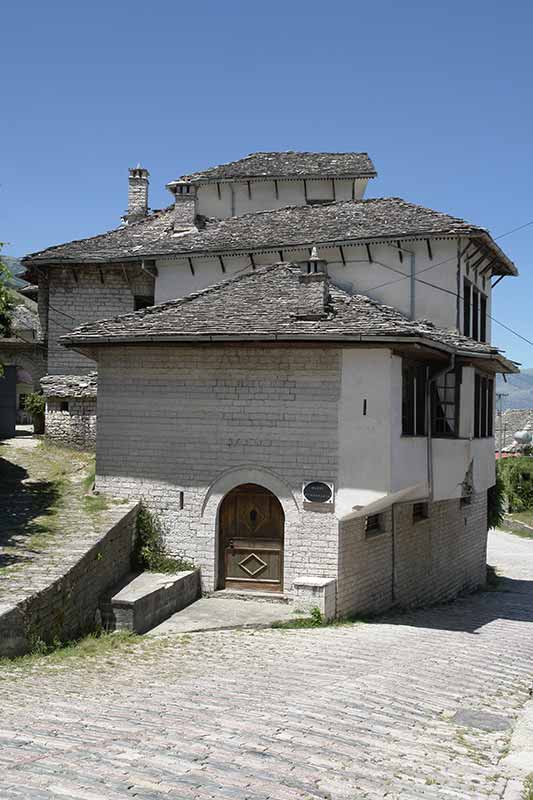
<point x="276" y="302"/>
<point x="295" y="226"/>
<point x="289" y="164"/>
<point x="78" y="386"/>
<point x="511" y="421"/>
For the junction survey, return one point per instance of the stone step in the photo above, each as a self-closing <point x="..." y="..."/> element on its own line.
<point x="144" y="600"/>
<point x="248" y="594"/>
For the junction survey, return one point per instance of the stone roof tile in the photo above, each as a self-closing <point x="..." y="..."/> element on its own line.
<point x="289" y="164"/>
<point x="295" y="226"/>
<point x="265" y="304"/>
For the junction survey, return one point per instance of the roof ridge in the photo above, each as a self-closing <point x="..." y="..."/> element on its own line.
<point x="150" y="217"/>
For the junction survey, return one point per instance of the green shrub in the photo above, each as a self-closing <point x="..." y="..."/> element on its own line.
<point x="517" y="476"/>
<point x="150" y="552"/>
<point x="35" y="404"/>
<point x="496" y="501"/>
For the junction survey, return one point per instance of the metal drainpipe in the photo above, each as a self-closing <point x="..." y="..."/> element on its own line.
<point x="413" y="287"/>
<point x="429" y="438"/>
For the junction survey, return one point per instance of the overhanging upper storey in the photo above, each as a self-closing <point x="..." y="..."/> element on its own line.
<point x="263" y="181"/>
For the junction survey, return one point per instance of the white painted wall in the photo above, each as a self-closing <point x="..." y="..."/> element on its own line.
<point x="217" y="202"/>
<point x="385" y="279"/>
<point x="364" y="452"/>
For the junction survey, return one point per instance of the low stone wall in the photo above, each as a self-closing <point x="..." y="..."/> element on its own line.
<point x="151" y="598"/>
<point x="409" y="564"/>
<point x="67" y="607"/>
<point x="76" y="426"/>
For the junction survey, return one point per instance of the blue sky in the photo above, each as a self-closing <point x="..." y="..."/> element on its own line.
<point x="440" y="95"/>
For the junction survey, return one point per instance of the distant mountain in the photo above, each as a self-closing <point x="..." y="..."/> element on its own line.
<point x="519" y="389"/>
<point x="16" y="269"/>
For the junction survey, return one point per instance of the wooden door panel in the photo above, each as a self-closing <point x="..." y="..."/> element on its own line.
<point x="251" y="539"/>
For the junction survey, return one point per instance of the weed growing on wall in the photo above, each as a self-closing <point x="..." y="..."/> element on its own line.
<point x="150" y="552"/>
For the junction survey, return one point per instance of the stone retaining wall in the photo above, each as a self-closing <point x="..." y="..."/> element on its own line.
<point x="67" y="607"/>
<point x="418" y="564"/>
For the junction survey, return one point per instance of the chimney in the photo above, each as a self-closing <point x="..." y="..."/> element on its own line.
<point x="137" y="194"/>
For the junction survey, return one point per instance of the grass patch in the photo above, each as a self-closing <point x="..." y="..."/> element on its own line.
<point x="526" y="517"/>
<point x="316" y="620"/>
<point x="95" y="503"/>
<point x="527" y="790"/>
<point x="94" y="645"/>
<point x="150" y="551"/>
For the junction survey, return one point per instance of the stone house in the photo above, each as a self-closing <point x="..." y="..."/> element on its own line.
<point x="23" y="359"/>
<point x="308" y="412"/>
<point x="264" y="419"/>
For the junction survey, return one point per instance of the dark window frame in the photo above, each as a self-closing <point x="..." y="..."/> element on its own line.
<point x="373" y="525"/>
<point x="64" y="405"/>
<point x="445" y="411"/>
<point x="483" y="406"/>
<point x="415" y="378"/>
<point x="420" y="511"/>
<point x="467" y="311"/>
<point x="141" y="301"/>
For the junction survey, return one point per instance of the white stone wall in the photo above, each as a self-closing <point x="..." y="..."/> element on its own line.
<point x="380" y="278"/>
<point x="420" y="563"/>
<point x="86" y="294"/>
<point x="200" y="421"/>
<point x="233" y="198"/>
<point x="75" y="427"/>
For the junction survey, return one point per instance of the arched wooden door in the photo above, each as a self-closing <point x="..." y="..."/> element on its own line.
<point x="251" y="527"/>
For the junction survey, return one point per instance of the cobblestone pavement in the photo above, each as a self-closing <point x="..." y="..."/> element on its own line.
<point x="360" y="711"/>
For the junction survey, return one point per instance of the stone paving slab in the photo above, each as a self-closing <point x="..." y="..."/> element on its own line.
<point x="362" y="711"/>
<point x="213" y="613"/>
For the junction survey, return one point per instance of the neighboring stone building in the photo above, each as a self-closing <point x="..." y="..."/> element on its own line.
<point x="264" y="419"/>
<point x="507" y="424"/>
<point x="22" y="355"/>
<point x="71" y="408"/>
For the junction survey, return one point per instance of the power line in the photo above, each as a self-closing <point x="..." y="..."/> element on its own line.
<point x="439" y="263"/>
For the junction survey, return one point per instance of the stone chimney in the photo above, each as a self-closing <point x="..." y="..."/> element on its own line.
<point x="137" y="194"/>
<point x="314" y="289"/>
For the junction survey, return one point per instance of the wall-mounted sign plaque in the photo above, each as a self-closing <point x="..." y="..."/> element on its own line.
<point x="318" y="492"/>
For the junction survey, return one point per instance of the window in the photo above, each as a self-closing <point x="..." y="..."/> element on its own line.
<point x="420" y="511"/>
<point x="414" y="386"/>
<point x="475" y="315"/>
<point x="142" y="301"/>
<point x="445" y="404"/>
<point x="64" y="405"/>
<point x="373" y="524"/>
<point x="474" y="312"/>
<point x="466" y="307"/>
<point x="483" y="406"/>
<point x="482" y="318"/>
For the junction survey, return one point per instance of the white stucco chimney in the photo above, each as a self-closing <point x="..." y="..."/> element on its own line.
<point x="137" y="193"/>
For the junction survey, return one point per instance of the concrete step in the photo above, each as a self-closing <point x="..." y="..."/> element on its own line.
<point x="144" y="600"/>
<point x="245" y="594"/>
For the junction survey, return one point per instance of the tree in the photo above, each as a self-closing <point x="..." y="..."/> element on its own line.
<point x="6" y="304"/>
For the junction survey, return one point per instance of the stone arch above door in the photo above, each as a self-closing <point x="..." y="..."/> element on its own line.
<point x="247" y="474"/>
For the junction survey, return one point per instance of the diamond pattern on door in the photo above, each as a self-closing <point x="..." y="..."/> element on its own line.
<point x="253" y="565"/>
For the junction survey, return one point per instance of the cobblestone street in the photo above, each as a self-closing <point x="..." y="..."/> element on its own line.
<point x="359" y="711"/>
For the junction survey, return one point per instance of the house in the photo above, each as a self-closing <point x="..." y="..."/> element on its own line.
<point x="225" y="407"/>
<point x="22" y="356"/>
<point x="507" y="424"/>
<point x="309" y="403"/>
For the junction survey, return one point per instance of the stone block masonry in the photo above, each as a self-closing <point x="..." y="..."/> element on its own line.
<point x="83" y="294"/>
<point x="173" y="420"/>
<point x="408" y="563"/>
<point x="75" y="426"/>
<point x="67" y="606"/>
